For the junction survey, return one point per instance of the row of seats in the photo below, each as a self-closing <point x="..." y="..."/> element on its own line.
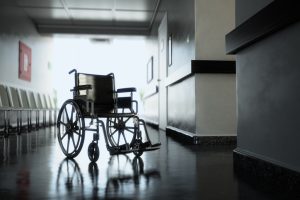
<point x="24" y="110"/>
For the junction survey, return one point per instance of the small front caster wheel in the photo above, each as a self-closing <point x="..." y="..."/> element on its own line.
<point x="137" y="147"/>
<point x="93" y="152"/>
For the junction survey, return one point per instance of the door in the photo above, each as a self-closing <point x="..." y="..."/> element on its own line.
<point x="162" y="72"/>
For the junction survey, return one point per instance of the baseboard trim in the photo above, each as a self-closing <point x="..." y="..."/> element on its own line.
<point x="151" y="123"/>
<point x="265" y="175"/>
<point x="192" y="138"/>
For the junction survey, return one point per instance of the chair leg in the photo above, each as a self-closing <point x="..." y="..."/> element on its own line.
<point x="6" y="125"/>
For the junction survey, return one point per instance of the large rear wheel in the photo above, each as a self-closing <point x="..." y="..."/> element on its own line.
<point x="71" y="132"/>
<point x="121" y="131"/>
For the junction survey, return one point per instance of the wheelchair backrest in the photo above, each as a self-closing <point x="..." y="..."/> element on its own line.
<point x="102" y="92"/>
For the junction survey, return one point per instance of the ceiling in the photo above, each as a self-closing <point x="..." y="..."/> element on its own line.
<point x="124" y="17"/>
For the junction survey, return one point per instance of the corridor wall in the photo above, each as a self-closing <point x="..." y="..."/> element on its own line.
<point x="181" y="27"/>
<point x="267" y="87"/>
<point x="15" y="26"/>
<point x="196" y="81"/>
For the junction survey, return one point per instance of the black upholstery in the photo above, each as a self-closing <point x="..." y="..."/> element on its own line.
<point x="131" y="89"/>
<point x="124" y="102"/>
<point x="101" y="93"/>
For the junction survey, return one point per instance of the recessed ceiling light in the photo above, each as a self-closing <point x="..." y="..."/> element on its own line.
<point x="106" y="40"/>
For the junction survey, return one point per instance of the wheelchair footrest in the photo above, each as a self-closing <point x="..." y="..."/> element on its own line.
<point x="150" y="148"/>
<point x="123" y="149"/>
<point x="142" y="149"/>
<point x="156" y="145"/>
<point x="148" y="144"/>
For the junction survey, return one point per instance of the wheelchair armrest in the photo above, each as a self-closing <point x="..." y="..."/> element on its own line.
<point x="121" y="90"/>
<point x="81" y="87"/>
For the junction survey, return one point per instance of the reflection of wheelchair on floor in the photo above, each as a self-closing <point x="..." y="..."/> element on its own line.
<point x="95" y="98"/>
<point x="69" y="177"/>
<point x="124" y="176"/>
<point x="123" y="172"/>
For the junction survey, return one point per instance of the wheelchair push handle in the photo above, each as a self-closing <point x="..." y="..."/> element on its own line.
<point x="75" y="78"/>
<point x="73" y="70"/>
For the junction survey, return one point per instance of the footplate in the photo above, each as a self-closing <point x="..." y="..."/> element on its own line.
<point x="145" y="147"/>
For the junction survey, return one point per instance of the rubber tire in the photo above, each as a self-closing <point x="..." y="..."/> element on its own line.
<point x="137" y="145"/>
<point x="93" y="152"/>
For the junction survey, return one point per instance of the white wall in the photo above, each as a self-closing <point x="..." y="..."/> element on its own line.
<point x="151" y="109"/>
<point x="15" y="26"/>
<point x="216" y="105"/>
<point x="214" y="19"/>
<point x="215" y="93"/>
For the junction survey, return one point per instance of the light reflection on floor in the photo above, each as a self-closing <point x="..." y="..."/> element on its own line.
<point x="32" y="166"/>
<point x="41" y="170"/>
<point x="112" y="176"/>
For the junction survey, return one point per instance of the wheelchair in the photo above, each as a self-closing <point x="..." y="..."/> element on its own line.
<point x="95" y="106"/>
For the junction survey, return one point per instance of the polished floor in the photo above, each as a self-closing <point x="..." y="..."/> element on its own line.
<point x="33" y="167"/>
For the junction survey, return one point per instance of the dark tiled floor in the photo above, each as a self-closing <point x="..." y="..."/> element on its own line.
<point x="33" y="167"/>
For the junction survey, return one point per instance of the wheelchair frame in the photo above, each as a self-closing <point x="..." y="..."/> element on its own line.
<point x="123" y="130"/>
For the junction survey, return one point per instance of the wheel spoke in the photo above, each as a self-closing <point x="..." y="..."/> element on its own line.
<point x="119" y="138"/>
<point x="129" y="130"/>
<point x="78" y="141"/>
<point x="68" y="119"/>
<point x="77" y="133"/>
<point x="124" y="137"/>
<point x="60" y="122"/>
<point x="113" y="132"/>
<point x="130" y="127"/>
<point x="64" y="136"/>
<point x="127" y="120"/>
<point x="73" y="141"/>
<point x="72" y="114"/>
<point x="68" y="144"/>
<point x="77" y="119"/>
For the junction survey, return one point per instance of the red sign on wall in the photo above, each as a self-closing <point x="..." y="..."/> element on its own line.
<point x="24" y="62"/>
